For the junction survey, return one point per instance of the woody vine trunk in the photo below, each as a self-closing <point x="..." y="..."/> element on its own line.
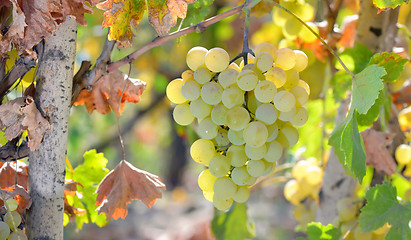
<point x="47" y="164"/>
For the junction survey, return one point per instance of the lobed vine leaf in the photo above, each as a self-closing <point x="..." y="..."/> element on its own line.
<point x="316" y="231"/>
<point x="233" y="225"/>
<point x="197" y="12"/>
<point x="382" y="206"/>
<point x="392" y="63"/>
<point x="386" y="4"/>
<point x="126" y="183"/>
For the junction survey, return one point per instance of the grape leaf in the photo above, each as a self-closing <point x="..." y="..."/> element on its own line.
<point x="106" y="93"/>
<point x="392" y="63"/>
<point x="19" y="194"/>
<point x="356" y="58"/>
<point x="197" y="12"/>
<point x="316" y="231"/>
<point x="373" y="113"/>
<point x="119" y="16"/>
<point x="22" y="114"/>
<point x="233" y="225"/>
<point x="123" y="184"/>
<point x="382" y="206"/>
<point x="386" y="4"/>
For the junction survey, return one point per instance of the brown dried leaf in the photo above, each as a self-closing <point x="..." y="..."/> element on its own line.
<point x="106" y="93"/>
<point x="21" y="114"/>
<point x="163" y="15"/>
<point x="34" y="20"/>
<point x="10" y="174"/>
<point x="126" y="183"/>
<point x="378" y="156"/>
<point x="348" y="31"/>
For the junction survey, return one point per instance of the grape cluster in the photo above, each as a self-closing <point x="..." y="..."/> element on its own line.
<point x="303" y="189"/>
<point x="291" y="27"/>
<point x="11" y="224"/>
<point x="246" y="115"/>
<point x="403" y="157"/>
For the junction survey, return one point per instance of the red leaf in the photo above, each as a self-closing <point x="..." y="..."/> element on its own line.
<point x="107" y="91"/>
<point x="126" y="183"/>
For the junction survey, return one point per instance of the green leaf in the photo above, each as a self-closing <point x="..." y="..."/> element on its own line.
<point x="316" y="231"/>
<point x="197" y="12"/>
<point x="366" y="87"/>
<point x="341" y="83"/>
<point x="391" y="62"/>
<point x="401" y="184"/>
<point x="384" y="4"/>
<point x="372" y="114"/>
<point x="356" y="58"/>
<point x="232" y="225"/>
<point x="382" y="206"/>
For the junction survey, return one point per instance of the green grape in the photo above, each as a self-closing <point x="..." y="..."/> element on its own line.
<point x="274" y="151"/>
<point x="217" y="59"/>
<point x="66" y="219"/>
<point x="301" y="60"/>
<point x="292" y="29"/>
<point x="219" y="165"/>
<point x="211" y="93"/>
<point x="306" y="35"/>
<point x="347" y="208"/>
<point x="314" y="175"/>
<point x="272" y="132"/>
<point x="240" y="176"/>
<point x="228" y="77"/>
<point x="200" y="109"/>
<point x="237" y="118"/>
<point x="202" y="151"/>
<point x="225" y="188"/>
<point x="222" y="138"/>
<point x="292" y="192"/>
<point x="208" y="196"/>
<point x="232" y="96"/>
<point x="173" y="91"/>
<point x="403" y="154"/>
<point x="284" y="101"/>
<point x="264" y="61"/>
<point x="13" y="219"/>
<point x="182" y="114"/>
<point x="4" y="230"/>
<point x="242" y="194"/>
<point x="247" y="80"/>
<point x="221" y="204"/>
<point x="287" y="136"/>
<point x="255" y="134"/>
<point x="287" y="116"/>
<point x="285" y="58"/>
<point x="268" y="168"/>
<point x="17" y="235"/>
<point x="255" y="153"/>
<point x="358" y="234"/>
<point x="255" y="168"/>
<point x="300" y="117"/>
<point x="236" y="155"/>
<point x="265" y="47"/>
<point x="187" y="75"/>
<point x="300" y="169"/>
<point x="202" y="75"/>
<point x="280" y="17"/>
<point x="196" y="57"/>
<point x="218" y="114"/>
<point x="252" y="103"/>
<point x="190" y="90"/>
<point x="266" y="113"/>
<point x="258" y="72"/>
<point x="207" y="129"/>
<point x="265" y="91"/>
<point x="276" y="75"/>
<point x="305" y="85"/>
<point x="206" y="181"/>
<point x="300" y="94"/>
<point x="236" y="137"/>
<point x="11" y="204"/>
<point x="293" y="79"/>
<point x="305" y="11"/>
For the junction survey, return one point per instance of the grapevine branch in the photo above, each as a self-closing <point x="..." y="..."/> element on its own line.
<point x="318" y="36"/>
<point x="161" y="40"/>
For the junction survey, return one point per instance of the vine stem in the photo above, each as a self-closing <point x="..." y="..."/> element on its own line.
<point x="161" y="40"/>
<point x="318" y="36"/>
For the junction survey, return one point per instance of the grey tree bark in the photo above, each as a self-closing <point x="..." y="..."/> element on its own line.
<point x="47" y="164"/>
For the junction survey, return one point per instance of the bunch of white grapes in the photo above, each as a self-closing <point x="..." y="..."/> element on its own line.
<point x="245" y="115"/>
<point x="291" y="27"/>
<point x="303" y="190"/>
<point x="11" y="220"/>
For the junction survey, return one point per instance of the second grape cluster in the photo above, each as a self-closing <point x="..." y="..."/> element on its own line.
<point x="245" y="115"/>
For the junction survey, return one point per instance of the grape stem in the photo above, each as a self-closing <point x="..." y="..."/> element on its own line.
<point x="318" y="36"/>
<point x="201" y="26"/>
